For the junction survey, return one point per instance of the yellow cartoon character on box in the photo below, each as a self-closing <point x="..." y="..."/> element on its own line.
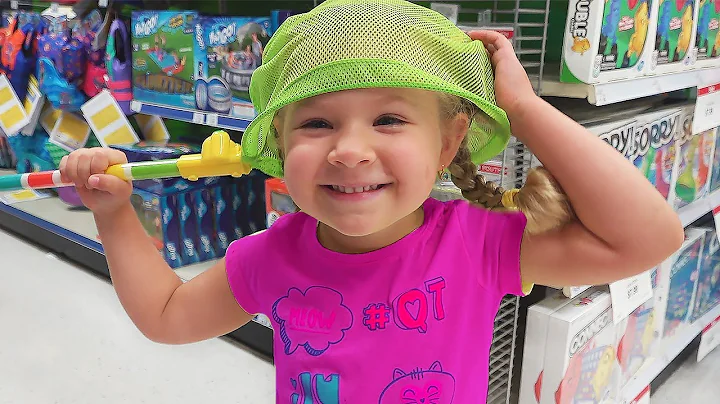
<point x="637" y="40"/>
<point x="685" y="30"/>
<point x="581" y="45"/>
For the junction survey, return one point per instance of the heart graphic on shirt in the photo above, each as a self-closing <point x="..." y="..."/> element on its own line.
<point x="413" y="308"/>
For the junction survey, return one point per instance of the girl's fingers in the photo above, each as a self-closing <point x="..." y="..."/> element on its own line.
<point x="494" y="38"/>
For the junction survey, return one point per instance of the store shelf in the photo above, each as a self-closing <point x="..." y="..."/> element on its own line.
<point x="619" y="91"/>
<point x="694" y="211"/>
<point x="71" y="233"/>
<point x="189" y="115"/>
<point x="671" y="349"/>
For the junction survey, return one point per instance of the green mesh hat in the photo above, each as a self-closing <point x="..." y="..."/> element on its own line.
<point x="352" y="44"/>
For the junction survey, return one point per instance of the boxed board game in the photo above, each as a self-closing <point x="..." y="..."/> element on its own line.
<point x="607" y="40"/>
<point x="676" y="279"/>
<point x="707" y="37"/>
<point x="707" y="295"/>
<point x="654" y="149"/>
<point x="227" y="52"/>
<point x="536" y="330"/>
<point x="580" y="363"/>
<point x="163" y="44"/>
<point x="636" y="336"/>
<point x="674" y="44"/>
<point x="694" y="162"/>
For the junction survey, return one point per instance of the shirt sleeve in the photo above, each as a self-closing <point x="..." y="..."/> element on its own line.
<point x="242" y="272"/>
<point x="497" y="237"/>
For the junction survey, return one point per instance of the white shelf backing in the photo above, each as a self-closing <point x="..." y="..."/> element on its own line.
<point x="619" y="91"/>
<point x="673" y="347"/>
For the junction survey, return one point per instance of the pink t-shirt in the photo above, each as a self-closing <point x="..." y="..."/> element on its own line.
<point x="411" y="323"/>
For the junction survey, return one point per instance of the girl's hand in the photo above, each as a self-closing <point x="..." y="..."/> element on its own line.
<point x="512" y="85"/>
<point x="103" y="194"/>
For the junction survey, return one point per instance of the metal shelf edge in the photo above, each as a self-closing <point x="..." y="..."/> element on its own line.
<point x="192" y="116"/>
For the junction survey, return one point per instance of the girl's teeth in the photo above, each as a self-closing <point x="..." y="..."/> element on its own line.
<point x="349" y="190"/>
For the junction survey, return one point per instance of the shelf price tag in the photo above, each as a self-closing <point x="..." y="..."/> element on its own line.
<point x="710" y="339"/>
<point x="211" y="119"/>
<point x="629" y="294"/>
<point x="707" y="109"/>
<point x="25" y="195"/>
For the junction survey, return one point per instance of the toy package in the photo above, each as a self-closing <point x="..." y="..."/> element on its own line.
<point x="277" y="200"/>
<point x="707" y="295"/>
<point x="536" y="331"/>
<point x="163" y="44"/>
<point x="715" y="176"/>
<point x="222" y="197"/>
<point x="707" y="38"/>
<point x="607" y="40"/>
<point x="677" y="277"/>
<point x="620" y="134"/>
<point x="251" y="216"/>
<point x="580" y="363"/>
<point x="158" y="215"/>
<point x="188" y="229"/>
<point x="654" y="149"/>
<point x="201" y="200"/>
<point x="636" y="337"/>
<point x="227" y="52"/>
<point x="695" y="157"/>
<point x="674" y="45"/>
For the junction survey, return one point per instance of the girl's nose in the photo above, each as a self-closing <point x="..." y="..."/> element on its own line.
<point x="352" y="149"/>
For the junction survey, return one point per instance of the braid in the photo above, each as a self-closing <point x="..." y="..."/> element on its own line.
<point x="475" y="188"/>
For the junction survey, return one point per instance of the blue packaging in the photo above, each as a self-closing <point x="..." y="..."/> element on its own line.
<point x="202" y="201"/>
<point x="251" y="216"/>
<point x="158" y="215"/>
<point x="681" y="290"/>
<point x="224" y="217"/>
<point x="238" y="205"/>
<point x="188" y="229"/>
<point x="708" y="283"/>
<point x="277" y="17"/>
<point x="227" y="52"/>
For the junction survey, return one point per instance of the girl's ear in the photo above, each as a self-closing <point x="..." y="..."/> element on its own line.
<point x="455" y="131"/>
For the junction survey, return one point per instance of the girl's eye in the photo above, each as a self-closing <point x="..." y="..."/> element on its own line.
<point x="316" y="124"/>
<point x="388" y="120"/>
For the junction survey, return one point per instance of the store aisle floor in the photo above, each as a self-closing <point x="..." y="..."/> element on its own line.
<point x="65" y="339"/>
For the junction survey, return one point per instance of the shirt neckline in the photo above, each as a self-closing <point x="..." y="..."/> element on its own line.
<point x="400" y="246"/>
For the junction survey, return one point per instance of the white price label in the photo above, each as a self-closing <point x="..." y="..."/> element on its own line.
<point x="198" y="118"/>
<point x="710" y="339"/>
<point x="14" y="4"/>
<point x="211" y="120"/>
<point x="629" y="294"/>
<point x="102" y="3"/>
<point x="707" y="109"/>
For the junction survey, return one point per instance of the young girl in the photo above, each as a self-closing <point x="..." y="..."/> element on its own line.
<point x="376" y="292"/>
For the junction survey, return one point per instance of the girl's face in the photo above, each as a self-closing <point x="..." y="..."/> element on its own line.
<point x="361" y="161"/>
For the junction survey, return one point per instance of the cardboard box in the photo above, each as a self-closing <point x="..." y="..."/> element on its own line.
<point x="675" y="31"/>
<point x="607" y="40"/>
<point x="707" y="36"/>
<point x="707" y="293"/>
<point x="163" y="44"/>
<point x="694" y="161"/>
<point x="536" y="332"/>
<point x="227" y="52"/>
<point x="580" y="363"/>
<point x="158" y="215"/>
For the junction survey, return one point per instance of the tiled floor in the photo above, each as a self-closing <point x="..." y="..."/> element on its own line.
<point x="65" y="339"/>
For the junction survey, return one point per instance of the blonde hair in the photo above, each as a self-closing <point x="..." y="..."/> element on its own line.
<point x="541" y="199"/>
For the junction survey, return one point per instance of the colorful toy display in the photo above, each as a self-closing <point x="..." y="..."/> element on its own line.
<point x="707" y="295"/>
<point x="580" y="357"/>
<point x="715" y="172"/>
<point x="637" y="337"/>
<point x="695" y="158"/>
<point x="606" y="40"/>
<point x="227" y="52"/>
<point x="163" y="45"/>
<point x="707" y="40"/>
<point x="674" y="36"/>
<point x="677" y="278"/>
<point x="654" y="149"/>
